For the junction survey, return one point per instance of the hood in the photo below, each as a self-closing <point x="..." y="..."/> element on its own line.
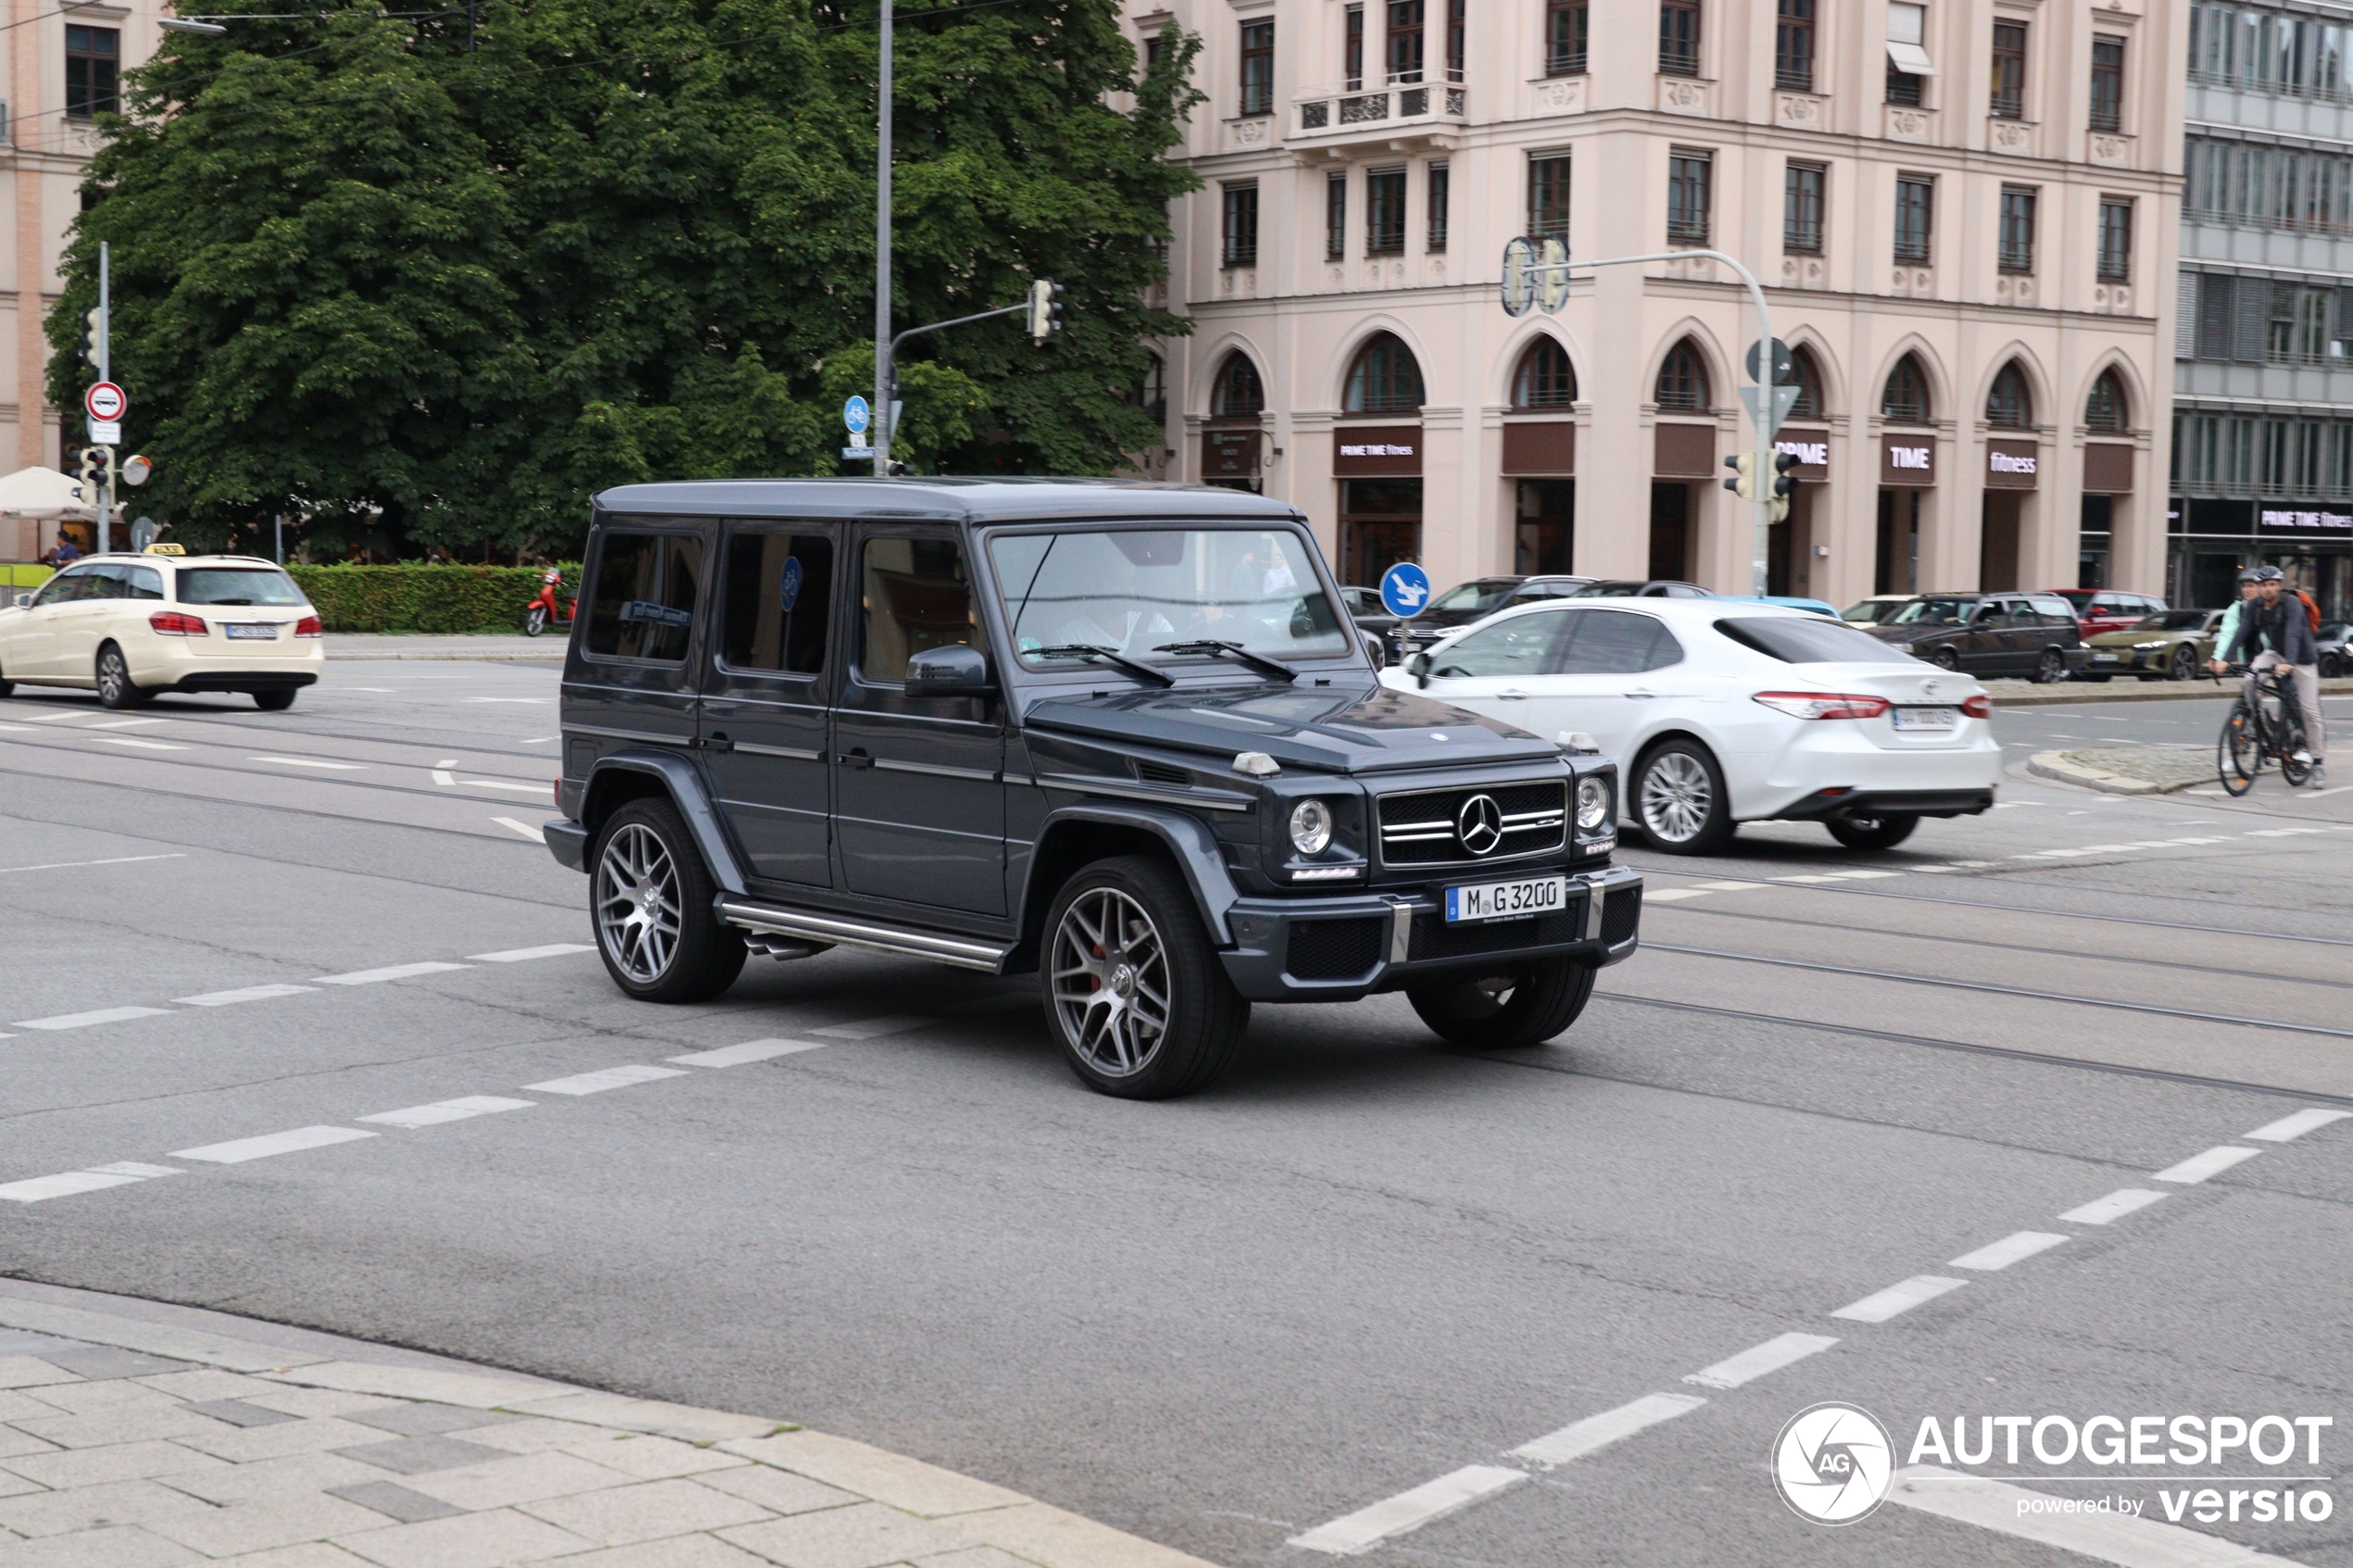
<point x="2127" y="636"/>
<point x="1359" y="728"/>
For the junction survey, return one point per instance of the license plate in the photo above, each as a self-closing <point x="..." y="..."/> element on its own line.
<point x="252" y="629"/>
<point x="2103" y="658"/>
<point x="1506" y="901"/>
<point x="1927" y="718"/>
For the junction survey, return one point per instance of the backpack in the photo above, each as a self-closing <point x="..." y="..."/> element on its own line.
<point x="2312" y="611"/>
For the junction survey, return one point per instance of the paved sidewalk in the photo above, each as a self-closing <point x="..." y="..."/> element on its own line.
<point x="136" y="1436"/>
<point x="421" y="644"/>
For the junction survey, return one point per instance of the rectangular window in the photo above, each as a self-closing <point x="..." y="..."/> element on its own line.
<point x="1794" y="47"/>
<point x="1548" y="198"/>
<point x="1258" y="68"/>
<point x="2008" y="98"/>
<point x="644" y="605"/>
<point x="1457" y="37"/>
<point x="2017" y="239"/>
<point x="2116" y="240"/>
<point x="1335" y="216"/>
<point x="1353" y="52"/>
<point x="1688" y="176"/>
<point x="916" y="596"/>
<point x="2279" y="335"/>
<point x="2108" y="83"/>
<point x="1242" y="224"/>
<point x="1802" y="208"/>
<point x="779" y="593"/>
<point x="1385" y="212"/>
<point x="1679" y="37"/>
<point x="92" y="56"/>
<point x="1915" y="218"/>
<point x="1439" y="177"/>
<point x="1405" y="39"/>
<point x="1568" y="29"/>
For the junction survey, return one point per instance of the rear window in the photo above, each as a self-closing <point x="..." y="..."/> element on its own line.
<point x="1482" y="594"/>
<point x="1809" y="640"/>
<point x="645" y="595"/>
<point x="237" y="585"/>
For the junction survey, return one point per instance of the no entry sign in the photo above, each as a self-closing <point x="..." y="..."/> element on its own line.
<point x="105" y="402"/>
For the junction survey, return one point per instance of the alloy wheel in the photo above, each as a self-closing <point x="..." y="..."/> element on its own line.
<point x="1111" y="982"/>
<point x="638" y="902"/>
<point x="1677" y="796"/>
<point x="114" y="679"/>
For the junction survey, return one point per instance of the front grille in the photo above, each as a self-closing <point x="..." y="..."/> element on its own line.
<point x="1433" y="939"/>
<point x="1334" y="949"/>
<point x="1620" y="911"/>
<point x="1420" y="829"/>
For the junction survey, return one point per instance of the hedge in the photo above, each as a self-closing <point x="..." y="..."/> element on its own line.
<point x="416" y="597"/>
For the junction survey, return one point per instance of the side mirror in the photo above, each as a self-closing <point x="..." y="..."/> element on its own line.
<point x="1418" y="668"/>
<point x="953" y="671"/>
<point x="1373" y="649"/>
<point x="24" y="601"/>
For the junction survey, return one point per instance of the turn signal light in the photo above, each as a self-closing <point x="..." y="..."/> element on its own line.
<point x="307" y="627"/>
<point x="172" y="624"/>
<point x="1979" y="707"/>
<point x="1824" y="704"/>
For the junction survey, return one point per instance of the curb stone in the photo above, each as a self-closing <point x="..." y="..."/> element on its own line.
<point x="2022" y="693"/>
<point x="2062" y="767"/>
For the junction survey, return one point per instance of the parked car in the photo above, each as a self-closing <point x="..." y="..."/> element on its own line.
<point x="1878" y="608"/>
<point x="131" y="626"/>
<point x="1724" y="712"/>
<point x="2102" y="610"/>
<point x="1787" y="601"/>
<point x="1474" y="600"/>
<point x="1654" y="588"/>
<point x="2334" y="659"/>
<point x="2029" y="635"/>
<point x="1373" y="618"/>
<point x="1119" y="737"/>
<point x="2170" y="645"/>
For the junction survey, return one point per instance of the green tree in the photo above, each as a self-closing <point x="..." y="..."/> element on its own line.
<point x="435" y="280"/>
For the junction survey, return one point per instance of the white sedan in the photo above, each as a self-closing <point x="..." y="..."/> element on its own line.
<point x="1721" y="712"/>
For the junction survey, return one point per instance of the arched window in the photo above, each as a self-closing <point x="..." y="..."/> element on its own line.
<point x="2107" y="408"/>
<point x="2009" y="406"/>
<point x="1905" y="399"/>
<point x="1237" y="394"/>
<point x="1545" y="380"/>
<point x="1807" y="377"/>
<point x="1682" y="378"/>
<point x="1384" y="380"/>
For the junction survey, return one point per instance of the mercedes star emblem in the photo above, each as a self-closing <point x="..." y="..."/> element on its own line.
<point x="1479" y="824"/>
<point x="1927" y="688"/>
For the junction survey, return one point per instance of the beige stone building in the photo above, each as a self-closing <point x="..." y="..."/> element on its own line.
<point x="1965" y="212"/>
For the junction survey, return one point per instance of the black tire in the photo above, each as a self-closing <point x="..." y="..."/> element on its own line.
<point x="668" y="947"/>
<point x="2184" y="665"/>
<point x="273" y="702"/>
<point x="2236" y="758"/>
<point x="1679" y="798"/>
<point x="1506" y="1012"/>
<point x="1884" y="830"/>
<point x="534" y="621"/>
<point x="2051" y="667"/>
<point x="2331" y="667"/>
<point x="1100" y="995"/>
<point x="116" y="689"/>
<point x="7" y="685"/>
<point x="1944" y="658"/>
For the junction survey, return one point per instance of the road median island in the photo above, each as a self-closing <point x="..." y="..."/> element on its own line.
<point x="2026" y="694"/>
<point x="2127" y="770"/>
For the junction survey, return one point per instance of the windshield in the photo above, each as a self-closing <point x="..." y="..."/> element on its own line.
<point x="1933" y="612"/>
<point x="1484" y="593"/>
<point x="1809" y="640"/>
<point x="238" y="585"/>
<point x="1871" y="610"/>
<point x="1135" y="590"/>
<point x="2174" y="620"/>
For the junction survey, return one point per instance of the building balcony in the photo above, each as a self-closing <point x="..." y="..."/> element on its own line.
<point x="1343" y="119"/>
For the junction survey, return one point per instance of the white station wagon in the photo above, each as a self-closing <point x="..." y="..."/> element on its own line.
<point x="131" y="626"/>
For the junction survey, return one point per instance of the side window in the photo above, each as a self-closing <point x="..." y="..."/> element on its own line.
<point x="108" y="583"/>
<point x="2055" y="612"/>
<point x="779" y="594"/>
<point x="1612" y="642"/>
<point x="144" y="582"/>
<point x="913" y="594"/>
<point x="645" y="602"/>
<point x="64" y="588"/>
<point x="1989" y="613"/>
<point x="1509" y="647"/>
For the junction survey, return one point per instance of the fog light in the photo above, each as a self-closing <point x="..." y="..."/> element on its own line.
<point x="1592" y="804"/>
<point x="1311" y="827"/>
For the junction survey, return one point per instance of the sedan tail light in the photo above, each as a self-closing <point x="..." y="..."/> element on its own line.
<point x="1979" y="707"/>
<point x="172" y="624"/>
<point x="1825" y="705"/>
<point x="307" y="627"/>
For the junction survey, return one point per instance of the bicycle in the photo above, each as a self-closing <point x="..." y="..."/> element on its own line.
<point x="2271" y="730"/>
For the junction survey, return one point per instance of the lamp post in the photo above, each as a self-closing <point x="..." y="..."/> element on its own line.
<point x="883" y="345"/>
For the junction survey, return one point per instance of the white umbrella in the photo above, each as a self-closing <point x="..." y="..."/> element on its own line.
<point x="46" y="495"/>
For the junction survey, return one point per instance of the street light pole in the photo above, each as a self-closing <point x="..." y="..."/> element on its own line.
<point x="882" y="256"/>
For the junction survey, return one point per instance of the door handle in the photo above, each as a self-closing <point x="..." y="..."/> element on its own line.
<point x="858" y="759"/>
<point x="719" y="741"/>
<point x="1511" y="696"/>
<point x="1641" y="692"/>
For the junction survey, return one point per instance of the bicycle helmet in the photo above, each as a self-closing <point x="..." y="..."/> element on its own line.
<point x="2248" y="576"/>
<point x="2268" y="574"/>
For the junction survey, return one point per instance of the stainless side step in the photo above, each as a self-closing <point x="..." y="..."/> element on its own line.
<point x="962" y="952"/>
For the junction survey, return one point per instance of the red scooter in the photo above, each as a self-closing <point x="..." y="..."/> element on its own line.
<point x="549" y="606"/>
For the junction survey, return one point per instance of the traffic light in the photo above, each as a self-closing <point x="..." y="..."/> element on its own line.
<point x="1745" y="483"/>
<point x="91" y="467"/>
<point x="1784" y="486"/>
<point x="94" y="336"/>
<point x="1045" y="310"/>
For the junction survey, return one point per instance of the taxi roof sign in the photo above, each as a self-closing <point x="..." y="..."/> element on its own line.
<point x="165" y="549"/>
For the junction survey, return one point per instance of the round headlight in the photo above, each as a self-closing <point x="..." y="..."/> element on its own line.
<point x="1592" y="803"/>
<point x="1311" y="827"/>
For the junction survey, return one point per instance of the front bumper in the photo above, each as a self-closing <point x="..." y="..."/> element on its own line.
<point x="1338" y="950"/>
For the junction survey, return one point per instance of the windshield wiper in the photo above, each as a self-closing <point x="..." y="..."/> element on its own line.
<point x="1143" y="673"/>
<point x="1257" y="661"/>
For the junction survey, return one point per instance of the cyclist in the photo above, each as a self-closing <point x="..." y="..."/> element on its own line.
<point x="2274" y="631"/>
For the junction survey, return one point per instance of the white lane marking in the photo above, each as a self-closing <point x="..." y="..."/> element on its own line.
<point x="238" y="1150"/>
<point x="518" y="825"/>
<point x="1859" y="876"/>
<point x="1899" y="1297"/>
<point x="598" y="1081"/>
<point x="1368" y="1528"/>
<point x="392" y="971"/>
<point x="527" y="700"/>
<point x="2122" y="1539"/>
<point x="542" y="740"/>
<point x="1675" y="894"/>
<point x="66" y="718"/>
<point x="1932" y="871"/>
<point x="85" y="1020"/>
<point x="2115" y="1206"/>
<point x="116" y="860"/>
<point x="142" y="745"/>
<point x="96" y="1179"/>
<point x="2289" y="1128"/>
<point x="2012" y="1248"/>
<point x="15" y="726"/>
<point x="1978" y="865"/>
<point x="1729" y="886"/>
<point x="517" y="955"/>
<point x="247" y="994"/>
<point x="447" y="762"/>
<point x="125" y="723"/>
<point x="2213" y="1163"/>
<point x="1596" y="1432"/>
<point x="751" y="1051"/>
<point x="1758" y="1359"/>
<point x="1805" y="878"/>
<point x="520" y="786"/>
<point x="447" y="1110"/>
<point x="873" y="1028"/>
<point x="313" y="762"/>
<point x="2283" y="832"/>
<point x="445" y="779"/>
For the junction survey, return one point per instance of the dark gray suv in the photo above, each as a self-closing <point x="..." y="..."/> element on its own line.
<point x="1122" y="736"/>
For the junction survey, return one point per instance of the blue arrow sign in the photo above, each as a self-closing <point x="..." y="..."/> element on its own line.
<point x="1404" y="590"/>
<point x="855" y="415"/>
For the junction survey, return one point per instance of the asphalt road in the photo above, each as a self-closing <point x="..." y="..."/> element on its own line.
<point x="1358" y="1264"/>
